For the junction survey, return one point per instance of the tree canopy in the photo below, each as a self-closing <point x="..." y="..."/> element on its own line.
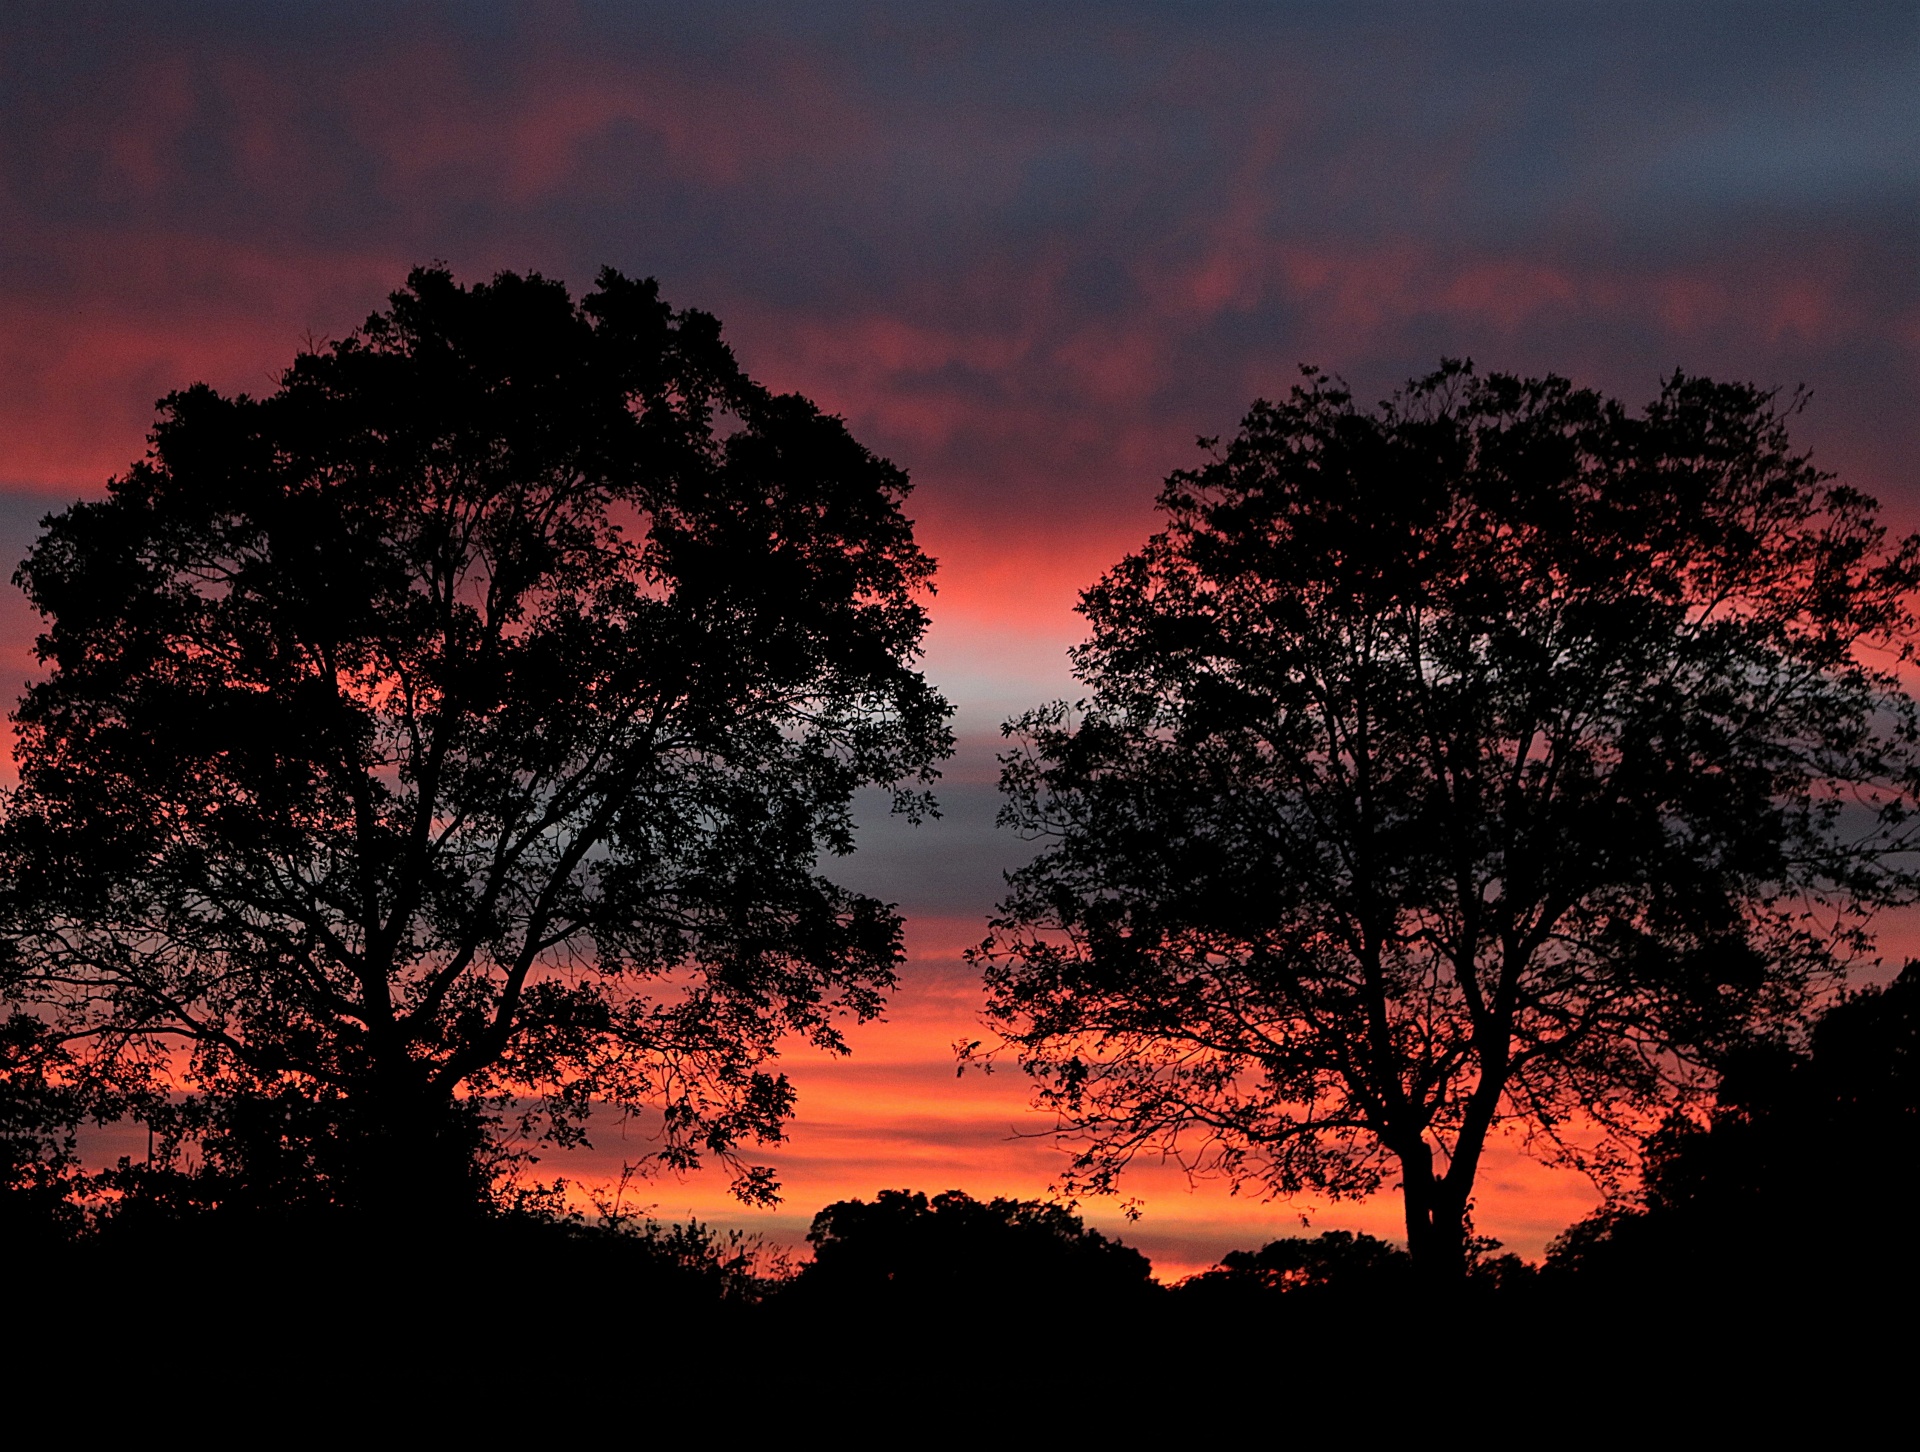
<point x="1498" y="754"/>
<point x="952" y="1249"/>
<point x="458" y="728"/>
<point x="1341" y="1262"/>
<point x="1799" y="1176"/>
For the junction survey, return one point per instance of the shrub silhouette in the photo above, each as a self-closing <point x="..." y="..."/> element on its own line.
<point x="1820" y="1140"/>
<point x="951" y="1246"/>
<point x="38" y="1119"/>
<point x="1336" y="1261"/>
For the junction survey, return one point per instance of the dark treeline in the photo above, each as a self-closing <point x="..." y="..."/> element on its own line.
<point x="449" y="742"/>
<point x="1795" y="1186"/>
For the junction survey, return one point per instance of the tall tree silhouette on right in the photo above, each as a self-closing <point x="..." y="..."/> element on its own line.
<point x="1500" y="753"/>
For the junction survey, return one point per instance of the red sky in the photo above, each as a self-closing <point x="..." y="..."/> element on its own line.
<point x="1029" y="254"/>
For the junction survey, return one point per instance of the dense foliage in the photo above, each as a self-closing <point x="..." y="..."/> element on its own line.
<point x="41" y="1110"/>
<point x="954" y="1249"/>
<point x="1802" y="1172"/>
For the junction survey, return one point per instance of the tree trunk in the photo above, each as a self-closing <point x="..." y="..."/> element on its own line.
<point x="422" y="1155"/>
<point x="1436" y="1220"/>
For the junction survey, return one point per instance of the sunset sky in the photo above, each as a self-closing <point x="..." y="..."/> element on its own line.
<point x="1029" y="251"/>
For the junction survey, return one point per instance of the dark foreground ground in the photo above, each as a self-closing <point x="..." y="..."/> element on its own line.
<point x="520" y="1331"/>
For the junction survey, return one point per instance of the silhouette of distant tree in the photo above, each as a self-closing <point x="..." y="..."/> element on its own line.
<point x="1799" y="1176"/>
<point x="1500" y="754"/>
<point x="460" y="726"/>
<point x="1347" y="1266"/>
<point x="955" y="1249"/>
<point x="40" y="1115"/>
<point x="1341" y="1261"/>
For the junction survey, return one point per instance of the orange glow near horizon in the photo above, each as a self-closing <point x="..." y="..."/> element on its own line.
<point x="895" y="1114"/>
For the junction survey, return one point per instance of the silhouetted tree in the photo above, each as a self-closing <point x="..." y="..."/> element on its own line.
<point x="461" y="725"/>
<point x="40" y="1115"/>
<point x="954" y="1249"/>
<point x="1345" y="1267"/>
<point x="1496" y="755"/>
<point x="1799" y="1177"/>
<point x="1337" y="1261"/>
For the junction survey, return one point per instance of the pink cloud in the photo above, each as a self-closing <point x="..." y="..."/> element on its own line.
<point x="79" y="372"/>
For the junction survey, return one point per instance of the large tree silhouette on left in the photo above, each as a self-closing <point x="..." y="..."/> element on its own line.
<point x="465" y="722"/>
